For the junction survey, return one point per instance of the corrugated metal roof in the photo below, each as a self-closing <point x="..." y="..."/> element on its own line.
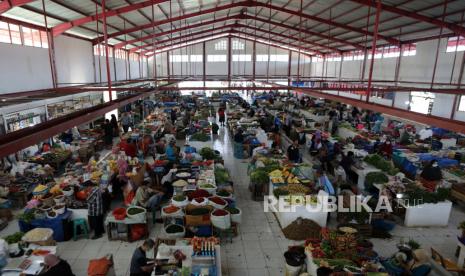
<point x="344" y="12"/>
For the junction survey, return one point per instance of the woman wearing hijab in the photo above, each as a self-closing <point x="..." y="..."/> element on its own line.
<point x="386" y="149"/>
<point x="114" y="124"/>
<point x="431" y="175"/>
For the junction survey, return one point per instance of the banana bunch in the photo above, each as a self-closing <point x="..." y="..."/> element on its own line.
<point x="276" y="173"/>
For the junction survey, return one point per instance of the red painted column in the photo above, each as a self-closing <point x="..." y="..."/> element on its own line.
<point x="289" y="67"/>
<point x="168" y="64"/>
<point x="51" y="49"/>
<point x="204" y="64"/>
<point x="229" y="60"/>
<point x="105" y="38"/>
<point x="373" y="48"/>
<point x="254" y="59"/>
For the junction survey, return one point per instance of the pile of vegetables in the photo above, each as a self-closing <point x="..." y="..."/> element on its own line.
<point x="294" y="189"/>
<point x="200" y="136"/>
<point x="199" y="211"/>
<point x="278" y="192"/>
<point x="375" y="178"/>
<point x="135" y="210"/>
<point x="220" y="213"/>
<point x="198" y="194"/>
<point x="380" y="163"/>
<point x="210" y="154"/>
<point x="259" y="177"/>
<point x="221" y="175"/>
<point x="207" y="153"/>
<point x="14" y="238"/>
<point x="174" y="228"/>
<point x="170" y="209"/>
<point x="179" y="198"/>
<point x="27" y="216"/>
<point x="223" y="193"/>
<point x="232" y="210"/>
<point x="417" y="195"/>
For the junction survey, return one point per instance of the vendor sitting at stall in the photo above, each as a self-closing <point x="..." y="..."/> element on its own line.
<point x="171" y="151"/>
<point x="129" y="147"/>
<point x="431" y="175"/>
<point x="386" y="149"/>
<point x="54" y="266"/>
<point x="417" y="264"/>
<point x="147" y="197"/>
<point x="140" y="264"/>
<point x="239" y="136"/>
<point x="293" y="152"/>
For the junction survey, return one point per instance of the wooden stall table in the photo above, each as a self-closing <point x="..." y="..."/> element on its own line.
<point x="112" y="225"/>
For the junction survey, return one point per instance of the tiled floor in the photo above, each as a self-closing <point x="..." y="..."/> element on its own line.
<point x="259" y="248"/>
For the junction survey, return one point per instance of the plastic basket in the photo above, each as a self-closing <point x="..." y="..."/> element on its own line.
<point x="119" y="213"/>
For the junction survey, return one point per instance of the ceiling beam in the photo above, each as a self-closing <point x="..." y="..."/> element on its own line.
<point x="177" y="18"/>
<point x="147" y="48"/>
<point x="61" y="28"/>
<point x="234" y="33"/>
<point x="205" y="23"/>
<point x="307" y="31"/>
<point x="201" y="24"/>
<point x="326" y="21"/>
<point x="459" y="30"/>
<point x="6" y="5"/>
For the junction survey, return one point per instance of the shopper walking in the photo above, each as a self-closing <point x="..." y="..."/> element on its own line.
<point x="221" y="116"/>
<point x="173" y="116"/>
<point x="95" y="211"/>
<point x="126" y="121"/>
<point x="108" y="133"/>
<point x="114" y="125"/>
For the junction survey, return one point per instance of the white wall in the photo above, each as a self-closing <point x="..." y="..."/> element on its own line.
<point x="238" y="68"/>
<point x="24" y="68"/>
<point x="73" y="59"/>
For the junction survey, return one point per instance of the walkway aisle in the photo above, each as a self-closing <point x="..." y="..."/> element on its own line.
<point x="259" y="248"/>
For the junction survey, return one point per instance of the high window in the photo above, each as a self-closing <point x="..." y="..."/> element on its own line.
<point x="455" y="44"/>
<point x="196" y="58"/>
<point x="221" y="45"/>
<point x="237" y="45"/>
<point x="216" y="58"/>
<point x="241" y="58"/>
<point x="21" y="35"/>
<point x="179" y="58"/>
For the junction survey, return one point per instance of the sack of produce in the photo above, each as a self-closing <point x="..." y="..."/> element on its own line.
<point x="175" y="231"/>
<point x="40" y="236"/>
<point x="200" y="201"/>
<point x="210" y="188"/>
<point x="221" y="219"/>
<point x="198" y="215"/>
<point x="197" y="193"/>
<point x="68" y="191"/>
<point x="224" y="194"/>
<point x="136" y="212"/>
<point x="171" y="211"/>
<point x="236" y="214"/>
<point x="179" y="201"/>
<point x="217" y="202"/>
